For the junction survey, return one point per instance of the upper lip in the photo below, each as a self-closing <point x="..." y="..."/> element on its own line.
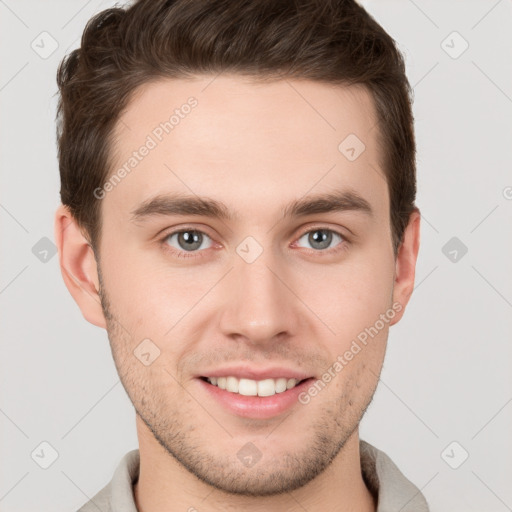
<point x="245" y="372"/>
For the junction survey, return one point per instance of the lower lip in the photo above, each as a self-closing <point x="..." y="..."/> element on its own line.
<point x="261" y="407"/>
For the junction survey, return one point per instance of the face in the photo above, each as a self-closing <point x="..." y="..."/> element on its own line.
<point x="264" y="281"/>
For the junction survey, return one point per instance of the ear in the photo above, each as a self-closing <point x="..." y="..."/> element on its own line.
<point x="78" y="266"/>
<point x="405" y="265"/>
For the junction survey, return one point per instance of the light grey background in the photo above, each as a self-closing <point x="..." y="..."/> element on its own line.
<point x="447" y="375"/>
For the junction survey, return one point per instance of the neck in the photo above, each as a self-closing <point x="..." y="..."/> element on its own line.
<point x="165" y="485"/>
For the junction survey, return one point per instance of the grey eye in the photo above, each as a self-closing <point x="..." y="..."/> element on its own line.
<point x="188" y="240"/>
<point x="320" y="238"/>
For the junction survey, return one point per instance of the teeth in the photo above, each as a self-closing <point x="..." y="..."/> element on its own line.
<point x="232" y="384"/>
<point x="246" y="387"/>
<point x="266" y="387"/>
<point x="249" y="387"/>
<point x="281" y="385"/>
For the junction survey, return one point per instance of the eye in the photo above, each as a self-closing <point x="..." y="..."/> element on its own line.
<point x="187" y="240"/>
<point x="322" y="238"/>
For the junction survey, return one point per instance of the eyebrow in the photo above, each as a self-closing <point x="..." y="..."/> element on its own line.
<point x="169" y="204"/>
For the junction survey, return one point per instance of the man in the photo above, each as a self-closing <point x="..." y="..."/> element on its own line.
<point x="238" y="186"/>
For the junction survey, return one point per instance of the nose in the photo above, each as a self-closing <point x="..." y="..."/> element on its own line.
<point x="259" y="305"/>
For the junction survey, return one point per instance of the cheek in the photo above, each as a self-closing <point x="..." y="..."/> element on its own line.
<point x="153" y="300"/>
<point x="351" y="295"/>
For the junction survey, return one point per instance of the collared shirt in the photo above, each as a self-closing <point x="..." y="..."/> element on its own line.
<point x="392" y="490"/>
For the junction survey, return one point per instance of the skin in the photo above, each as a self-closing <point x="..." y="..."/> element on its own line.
<point x="255" y="148"/>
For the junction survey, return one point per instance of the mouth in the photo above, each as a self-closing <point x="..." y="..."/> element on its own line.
<point x="250" y="387"/>
<point x="254" y="392"/>
<point x="262" y="399"/>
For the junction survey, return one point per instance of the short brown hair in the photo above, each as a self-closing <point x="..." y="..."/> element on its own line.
<point x="330" y="41"/>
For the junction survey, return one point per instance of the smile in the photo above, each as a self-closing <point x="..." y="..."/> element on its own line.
<point x="249" y="387"/>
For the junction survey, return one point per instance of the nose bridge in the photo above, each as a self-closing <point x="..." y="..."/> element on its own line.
<point x="258" y="305"/>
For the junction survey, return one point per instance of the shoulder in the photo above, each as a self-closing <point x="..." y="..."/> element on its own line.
<point x="117" y="495"/>
<point x="387" y="483"/>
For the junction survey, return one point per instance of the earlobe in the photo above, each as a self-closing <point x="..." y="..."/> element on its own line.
<point x="78" y="266"/>
<point x="405" y="266"/>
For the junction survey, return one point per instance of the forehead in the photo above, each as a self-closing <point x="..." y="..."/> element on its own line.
<point x="245" y="143"/>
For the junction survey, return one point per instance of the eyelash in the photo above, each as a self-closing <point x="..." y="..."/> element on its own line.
<point x="194" y="254"/>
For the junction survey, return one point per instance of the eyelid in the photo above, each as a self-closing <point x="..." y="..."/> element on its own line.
<point x="186" y="227"/>
<point x="325" y="227"/>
